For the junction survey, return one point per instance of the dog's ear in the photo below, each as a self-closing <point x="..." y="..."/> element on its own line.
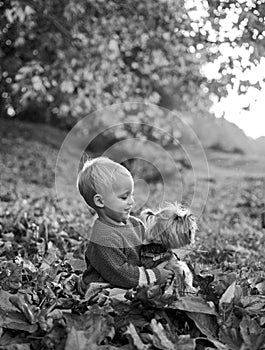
<point x="190" y="219"/>
<point x="181" y="227"/>
<point x="145" y="215"/>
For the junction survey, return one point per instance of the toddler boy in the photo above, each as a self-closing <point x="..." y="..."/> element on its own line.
<point x="112" y="254"/>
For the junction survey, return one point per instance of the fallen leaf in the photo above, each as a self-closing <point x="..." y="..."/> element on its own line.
<point x="208" y="326"/>
<point x="132" y="334"/>
<point x="76" y="264"/>
<point x="27" y="310"/>
<point x="253" y="304"/>
<point x="185" y="342"/>
<point x="193" y="304"/>
<point x="50" y="257"/>
<point x="160" y="339"/>
<point x="260" y="287"/>
<point x="97" y="324"/>
<point x="252" y="334"/>
<point x="5" y="303"/>
<point x="231" y="337"/>
<point x="77" y="340"/>
<point x="17" y="321"/>
<point x="228" y="295"/>
<point x="25" y="346"/>
<point x="206" y="323"/>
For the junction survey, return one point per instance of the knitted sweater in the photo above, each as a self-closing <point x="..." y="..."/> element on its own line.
<point x="112" y="255"/>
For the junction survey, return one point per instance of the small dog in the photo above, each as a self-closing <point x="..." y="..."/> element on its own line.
<point x="169" y="228"/>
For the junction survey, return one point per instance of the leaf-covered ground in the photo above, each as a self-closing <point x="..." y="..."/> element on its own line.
<point x="41" y="259"/>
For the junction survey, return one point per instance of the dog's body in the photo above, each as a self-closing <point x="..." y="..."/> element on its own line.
<point x="171" y="227"/>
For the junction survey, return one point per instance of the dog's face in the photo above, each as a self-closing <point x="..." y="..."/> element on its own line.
<point x="173" y="226"/>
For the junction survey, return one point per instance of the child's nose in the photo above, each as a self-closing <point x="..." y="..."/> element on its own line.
<point x="131" y="200"/>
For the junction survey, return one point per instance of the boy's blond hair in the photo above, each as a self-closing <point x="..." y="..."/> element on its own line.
<point x="96" y="175"/>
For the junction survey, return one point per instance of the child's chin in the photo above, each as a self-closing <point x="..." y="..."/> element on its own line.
<point x="125" y="217"/>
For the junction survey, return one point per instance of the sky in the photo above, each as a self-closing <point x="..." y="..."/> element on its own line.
<point x="245" y="110"/>
<point x="251" y="121"/>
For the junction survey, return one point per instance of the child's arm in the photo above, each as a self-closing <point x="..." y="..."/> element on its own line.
<point x="112" y="264"/>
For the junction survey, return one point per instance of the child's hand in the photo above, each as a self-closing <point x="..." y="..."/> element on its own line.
<point x="166" y="275"/>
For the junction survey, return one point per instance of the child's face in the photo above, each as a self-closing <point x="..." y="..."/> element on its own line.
<point x="118" y="200"/>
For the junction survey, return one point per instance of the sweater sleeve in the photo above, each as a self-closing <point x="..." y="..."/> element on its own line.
<point x="152" y="275"/>
<point x="111" y="263"/>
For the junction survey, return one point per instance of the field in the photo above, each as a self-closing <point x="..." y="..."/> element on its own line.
<point x="42" y="243"/>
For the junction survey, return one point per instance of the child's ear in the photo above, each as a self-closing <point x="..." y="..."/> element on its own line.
<point x="98" y="200"/>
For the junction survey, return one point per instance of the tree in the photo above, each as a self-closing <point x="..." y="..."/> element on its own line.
<point x="235" y="28"/>
<point x="73" y="58"/>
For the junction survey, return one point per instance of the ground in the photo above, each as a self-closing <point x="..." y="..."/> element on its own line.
<point x="48" y="235"/>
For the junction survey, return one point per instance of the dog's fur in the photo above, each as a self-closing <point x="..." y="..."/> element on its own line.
<point x="169" y="228"/>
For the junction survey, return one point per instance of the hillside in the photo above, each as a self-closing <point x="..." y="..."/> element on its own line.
<point x="260" y="142"/>
<point x="29" y="153"/>
<point x="222" y="135"/>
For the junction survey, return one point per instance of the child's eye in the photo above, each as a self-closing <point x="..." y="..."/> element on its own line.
<point x="126" y="196"/>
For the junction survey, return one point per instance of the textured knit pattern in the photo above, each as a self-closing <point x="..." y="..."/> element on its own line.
<point x="112" y="254"/>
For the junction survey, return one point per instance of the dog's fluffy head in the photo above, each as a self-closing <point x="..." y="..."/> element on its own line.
<point x="173" y="226"/>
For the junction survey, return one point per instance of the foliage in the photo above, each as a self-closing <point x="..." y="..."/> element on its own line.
<point x="41" y="260"/>
<point x="81" y="58"/>
<point x="236" y="30"/>
<point x="67" y="60"/>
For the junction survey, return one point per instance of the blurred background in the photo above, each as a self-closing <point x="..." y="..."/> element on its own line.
<point x="184" y="78"/>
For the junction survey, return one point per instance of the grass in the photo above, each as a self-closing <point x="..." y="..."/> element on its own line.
<point x="233" y="187"/>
